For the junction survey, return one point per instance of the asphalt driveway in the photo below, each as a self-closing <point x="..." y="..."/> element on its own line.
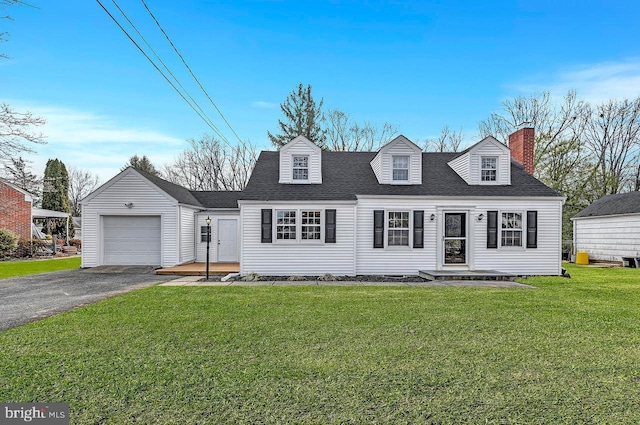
<point x="28" y="298"/>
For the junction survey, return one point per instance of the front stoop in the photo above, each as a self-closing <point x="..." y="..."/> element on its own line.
<point x="466" y="275"/>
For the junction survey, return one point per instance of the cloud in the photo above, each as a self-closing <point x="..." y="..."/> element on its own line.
<point x="95" y="142"/>
<point x="595" y="82"/>
<point x="263" y="104"/>
<point x="79" y="127"/>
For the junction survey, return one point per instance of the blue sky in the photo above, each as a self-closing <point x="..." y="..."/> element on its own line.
<point x="418" y="65"/>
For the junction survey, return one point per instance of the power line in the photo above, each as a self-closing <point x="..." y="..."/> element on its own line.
<point x="208" y="120"/>
<point x="157" y="68"/>
<point x="190" y="71"/>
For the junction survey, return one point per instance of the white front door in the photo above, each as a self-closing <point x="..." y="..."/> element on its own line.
<point x="227" y="240"/>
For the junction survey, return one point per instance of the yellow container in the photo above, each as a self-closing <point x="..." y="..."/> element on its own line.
<point x="582" y="258"/>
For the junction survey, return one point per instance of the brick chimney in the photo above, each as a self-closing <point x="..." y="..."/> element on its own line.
<point x="521" y="144"/>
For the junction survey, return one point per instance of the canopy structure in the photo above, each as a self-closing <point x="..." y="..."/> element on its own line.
<point x="42" y="213"/>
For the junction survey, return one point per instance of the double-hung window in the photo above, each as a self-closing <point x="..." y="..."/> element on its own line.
<point x="489" y="169"/>
<point x="301" y="167"/>
<point x="511" y="229"/>
<point x="400" y="168"/>
<point x="203" y="234"/>
<point x="398" y="228"/>
<point x="310" y="225"/>
<point x="286" y="225"/>
<point x="298" y="225"/>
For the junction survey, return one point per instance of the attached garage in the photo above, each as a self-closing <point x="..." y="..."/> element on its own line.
<point x="138" y="219"/>
<point x="131" y="240"/>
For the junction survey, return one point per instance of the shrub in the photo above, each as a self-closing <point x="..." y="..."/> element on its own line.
<point x="8" y="242"/>
<point x="31" y="247"/>
<point x="76" y="242"/>
<point x="296" y="277"/>
<point x="251" y="277"/>
<point x="327" y="277"/>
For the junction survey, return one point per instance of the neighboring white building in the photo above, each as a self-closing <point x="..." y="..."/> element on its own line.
<point x="609" y="229"/>
<point x="307" y="212"/>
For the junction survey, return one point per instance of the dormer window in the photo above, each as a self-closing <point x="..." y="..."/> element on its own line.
<point x="301" y="167"/>
<point x="400" y="168"/>
<point x="489" y="169"/>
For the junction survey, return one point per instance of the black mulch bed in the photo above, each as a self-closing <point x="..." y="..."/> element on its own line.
<point x="359" y="278"/>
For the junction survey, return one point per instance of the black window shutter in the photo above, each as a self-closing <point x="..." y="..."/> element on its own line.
<point x="418" y="229"/>
<point x="532" y="229"/>
<point x="378" y="229"/>
<point x="266" y="226"/>
<point x="330" y="226"/>
<point x="492" y="229"/>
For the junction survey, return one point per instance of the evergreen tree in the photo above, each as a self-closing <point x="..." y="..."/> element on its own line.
<point x="17" y="173"/>
<point x="302" y="117"/>
<point x="142" y="163"/>
<point x="55" y="197"/>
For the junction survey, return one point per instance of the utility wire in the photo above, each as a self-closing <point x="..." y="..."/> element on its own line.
<point x="190" y="71"/>
<point x="208" y="120"/>
<point x="154" y="65"/>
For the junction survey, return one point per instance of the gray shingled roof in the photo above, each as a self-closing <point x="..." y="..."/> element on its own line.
<point x="622" y="203"/>
<point x="347" y="174"/>
<point x="218" y="199"/>
<point x="203" y="199"/>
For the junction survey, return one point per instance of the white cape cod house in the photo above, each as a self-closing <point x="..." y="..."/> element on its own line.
<point x="308" y="212"/>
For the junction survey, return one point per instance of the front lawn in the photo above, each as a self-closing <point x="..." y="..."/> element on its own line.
<point x="21" y="268"/>
<point x="567" y="352"/>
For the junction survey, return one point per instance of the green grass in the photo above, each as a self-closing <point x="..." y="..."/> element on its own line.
<point x="567" y="352"/>
<point x="22" y="268"/>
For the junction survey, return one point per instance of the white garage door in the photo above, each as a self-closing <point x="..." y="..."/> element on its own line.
<point x="131" y="240"/>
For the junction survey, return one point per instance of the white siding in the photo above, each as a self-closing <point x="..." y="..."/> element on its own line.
<point x="201" y="247"/>
<point x="300" y="146"/>
<point x="187" y="228"/>
<point x="382" y="164"/>
<point x="110" y="200"/>
<point x="297" y="258"/>
<point x="461" y="166"/>
<point x="543" y="260"/>
<point x="394" y="260"/>
<point x="467" y="166"/>
<point x="504" y="163"/>
<point x="377" y="167"/>
<point x="608" y="238"/>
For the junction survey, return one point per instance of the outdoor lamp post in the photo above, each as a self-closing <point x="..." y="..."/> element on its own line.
<point x="208" y="221"/>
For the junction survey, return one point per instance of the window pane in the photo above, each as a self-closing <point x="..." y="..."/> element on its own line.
<point x="398" y="226"/>
<point x="300" y="167"/>
<point x="285" y="228"/>
<point x="400" y="166"/>
<point x="310" y="221"/>
<point x="488" y="168"/>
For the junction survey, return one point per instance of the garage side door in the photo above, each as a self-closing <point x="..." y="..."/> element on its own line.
<point x="131" y="240"/>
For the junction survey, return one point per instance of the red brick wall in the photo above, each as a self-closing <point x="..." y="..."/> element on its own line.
<point x="521" y="144"/>
<point x="15" y="212"/>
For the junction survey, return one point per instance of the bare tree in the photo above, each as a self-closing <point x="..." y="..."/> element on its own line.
<point x="210" y="165"/>
<point x="344" y="134"/>
<point x="16" y="130"/>
<point x="81" y="184"/>
<point x="447" y="141"/>
<point x="560" y="159"/>
<point x="613" y="138"/>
